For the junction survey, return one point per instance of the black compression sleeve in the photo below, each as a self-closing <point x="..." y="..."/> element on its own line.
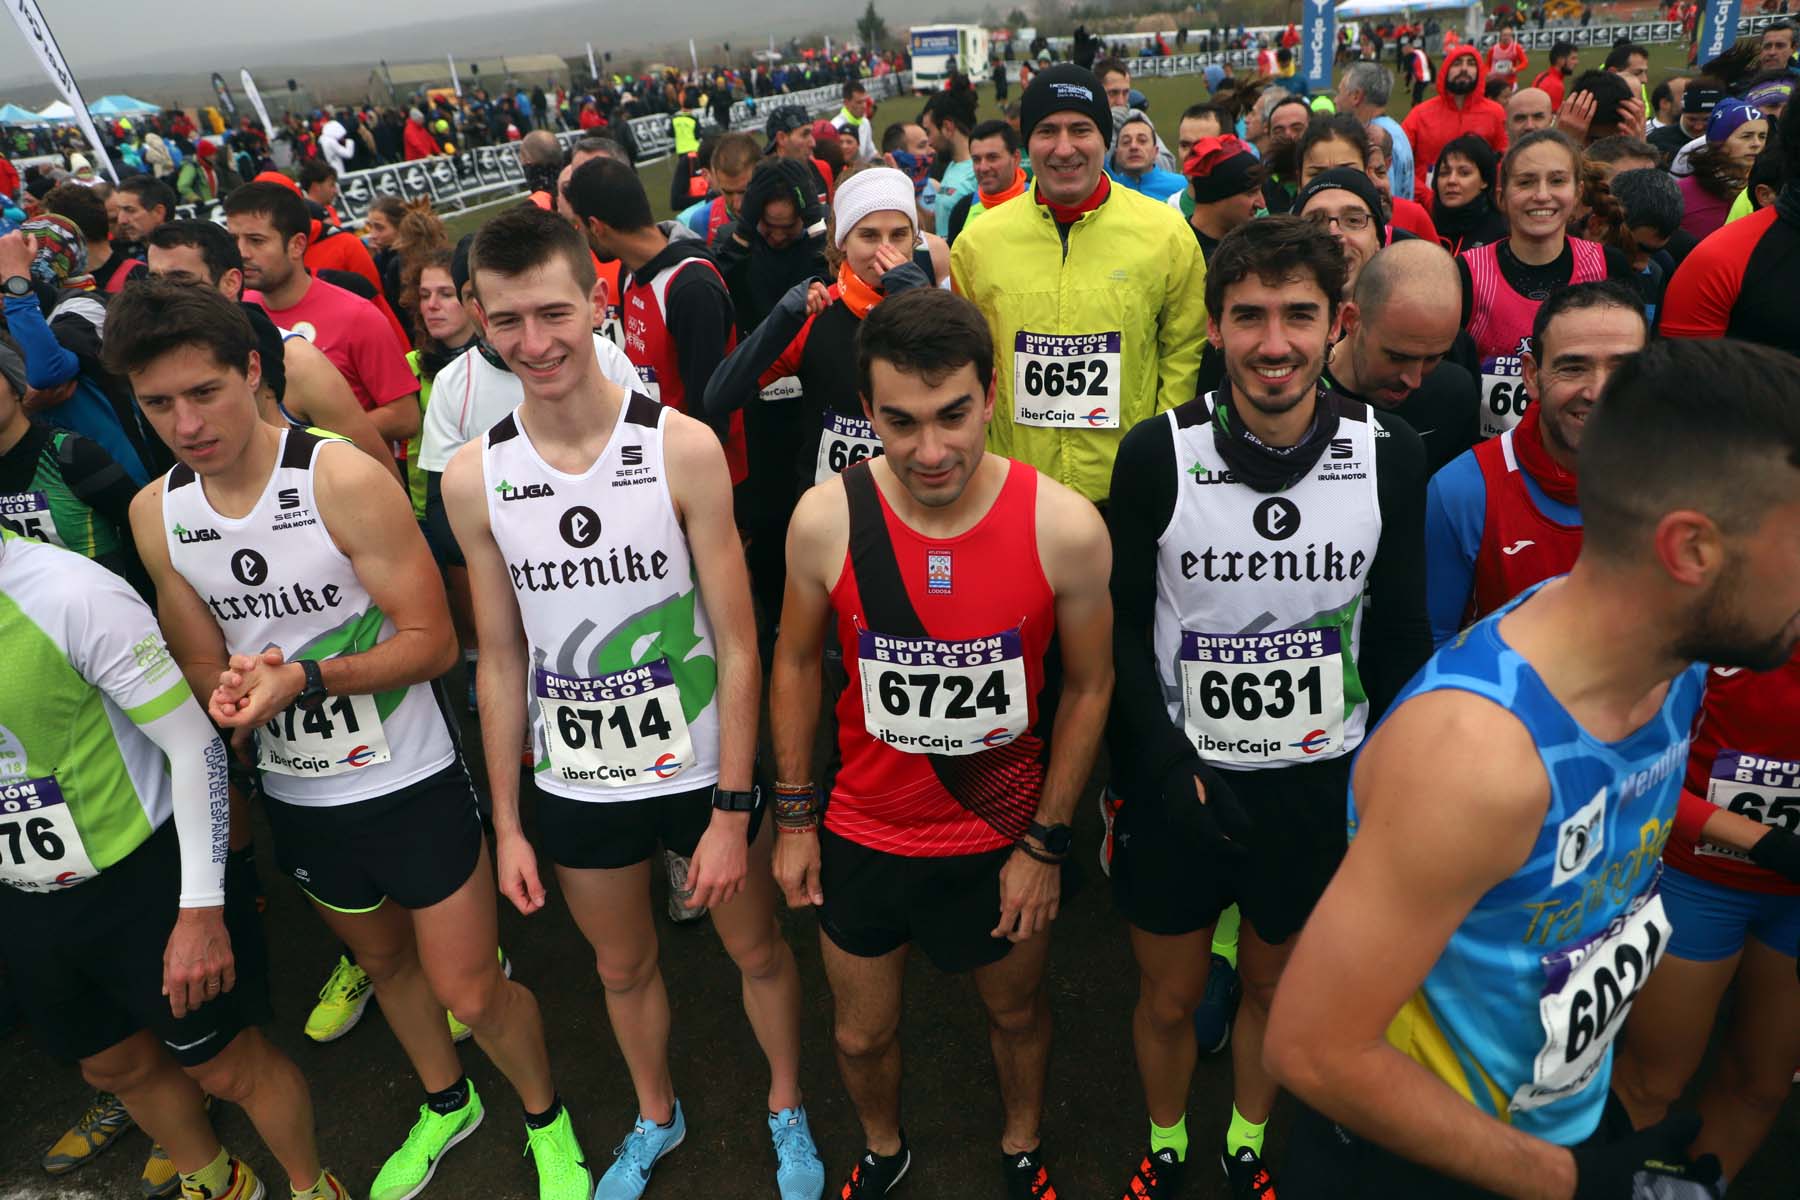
<point x="1396" y="635"/>
<point x="1143" y="742"/>
<point x="700" y="320"/>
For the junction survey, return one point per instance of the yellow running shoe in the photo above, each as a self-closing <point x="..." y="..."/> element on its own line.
<point x="243" y="1185"/>
<point x="341" y="1002"/>
<point x="462" y="1033"/>
<point x="160" y="1179"/>
<point x="96" y="1129"/>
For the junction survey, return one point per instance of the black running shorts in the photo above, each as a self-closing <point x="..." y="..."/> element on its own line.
<point x="86" y="965"/>
<point x="416" y="846"/>
<point x="1165" y="882"/>
<point x="591" y="835"/>
<point x="876" y="902"/>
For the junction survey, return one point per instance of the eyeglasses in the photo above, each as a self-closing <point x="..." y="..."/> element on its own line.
<point x="1354" y="220"/>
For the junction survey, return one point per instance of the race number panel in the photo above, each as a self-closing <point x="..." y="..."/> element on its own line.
<point x="1264" y="697"/>
<point x="1588" y="990"/>
<point x="1066" y="381"/>
<point x="618" y="730"/>
<point x="1503" y="395"/>
<point x="843" y="442"/>
<point x="340" y="736"/>
<point x="28" y="515"/>
<point x="40" y="848"/>
<point x="925" y="696"/>
<point x="647" y="377"/>
<point x="1766" y="790"/>
<point x="785" y="388"/>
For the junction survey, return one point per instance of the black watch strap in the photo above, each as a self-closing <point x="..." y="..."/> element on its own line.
<point x="1056" y="839"/>
<point x="727" y="801"/>
<point x="313" y="694"/>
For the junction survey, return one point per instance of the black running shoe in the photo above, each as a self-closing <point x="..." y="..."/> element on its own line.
<point x="1158" y="1177"/>
<point x="1246" y="1177"/>
<point x="876" y="1174"/>
<point x="1026" y="1178"/>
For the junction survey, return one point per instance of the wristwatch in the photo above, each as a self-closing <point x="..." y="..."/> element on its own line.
<point x="1056" y="839"/>
<point x="16" y="285"/>
<point x="312" y="696"/>
<point x="726" y="801"/>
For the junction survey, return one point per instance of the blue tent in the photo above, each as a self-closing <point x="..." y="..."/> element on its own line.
<point x="13" y="114"/>
<point x="120" y="106"/>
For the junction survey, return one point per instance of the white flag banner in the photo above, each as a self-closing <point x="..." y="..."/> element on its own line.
<point x="256" y="102"/>
<point x="30" y="20"/>
<point x="593" y="70"/>
<point x="694" y="58"/>
<point x="454" y="81"/>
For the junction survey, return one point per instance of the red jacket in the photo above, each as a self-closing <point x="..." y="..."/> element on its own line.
<point x="420" y="144"/>
<point x="1444" y="118"/>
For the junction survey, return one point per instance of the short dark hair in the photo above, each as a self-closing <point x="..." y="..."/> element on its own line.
<point x="1562" y="48"/>
<point x="927" y="332"/>
<point x="593" y="143"/>
<point x="1649" y="449"/>
<point x="1283" y="103"/>
<point x="151" y="192"/>
<point x="735" y="152"/>
<point x="1273" y="248"/>
<point x="1111" y="66"/>
<point x="218" y="249"/>
<point x="526" y="237"/>
<point x="1609" y="90"/>
<point x="81" y="205"/>
<point x="854" y="88"/>
<point x="1207" y="108"/>
<point x="997" y="129"/>
<point x="606" y="190"/>
<point x="1619" y="57"/>
<point x="1649" y="196"/>
<point x="1538" y="137"/>
<point x="1617" y="146"/>
<point x="315" y="170"/>
<point x="1600" y="293"/>
<point x="151" y="317"/>
<point x="1777" y="26"/>
<point x="1661" y="92"/>
<point x="283" y="206"/>
<point x="894" y="136"/>
<point x="946" y="109"/>
<point x="1341" y="127"/>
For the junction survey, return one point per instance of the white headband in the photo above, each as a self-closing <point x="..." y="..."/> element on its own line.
<point x="877" y="189"/>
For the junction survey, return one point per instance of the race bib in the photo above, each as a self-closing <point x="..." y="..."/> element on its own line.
<point x="647" y="376"/>
<point x="1066" y="381"/>
<point x="40" y="848"/>
<point x="1588" y="990"/>
<point x="340" y="736"/>
<point x="28" y="515"/>
<point x="618" y="730"/>
<point x="924" y="696"/>
<point x="1503" y="395"/>
<point x="611" y="329"/>
<point x="1766" y="790"/>
<point x="843" y="442"/>
<point x="1263" y="697"/>
<point x="785" y="388"/>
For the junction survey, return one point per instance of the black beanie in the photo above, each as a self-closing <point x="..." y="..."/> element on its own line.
<point x="1065" y="87"/>
<point x="1350" y="180"/>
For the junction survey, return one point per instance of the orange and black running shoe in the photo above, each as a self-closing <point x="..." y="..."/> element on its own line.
<point x="1158" y="1177"/>
<point x="1246" y="1176"/>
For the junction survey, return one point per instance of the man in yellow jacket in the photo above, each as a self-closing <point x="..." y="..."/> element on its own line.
<point x="1094" y="293"/>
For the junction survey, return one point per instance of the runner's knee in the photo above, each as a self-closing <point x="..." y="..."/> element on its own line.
<point x="760" y="956"/>
<point x="622" y="972"/>
<point x="864" y="1041"/>
<point x="119" y="1071"/>
<point x="1167" y="1005"/>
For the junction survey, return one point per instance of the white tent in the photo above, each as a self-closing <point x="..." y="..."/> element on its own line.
<point x="1355" y="10"/>
<point x="58" y="112"/>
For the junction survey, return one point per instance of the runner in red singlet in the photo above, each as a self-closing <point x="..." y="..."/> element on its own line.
<point x="947" y="573"/>
<point x="1731" y="884"/>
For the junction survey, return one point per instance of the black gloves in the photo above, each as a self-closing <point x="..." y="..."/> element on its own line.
<point x="1219" y="822"/>
<point x="1657" y="1155"/>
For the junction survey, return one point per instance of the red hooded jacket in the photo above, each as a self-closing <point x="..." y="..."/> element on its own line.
<point x="1444" y="118"/>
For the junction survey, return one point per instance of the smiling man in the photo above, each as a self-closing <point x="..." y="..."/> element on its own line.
<point x="1503" y="515"/>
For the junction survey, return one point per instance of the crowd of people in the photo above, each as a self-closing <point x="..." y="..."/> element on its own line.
<point x="1394" y="525"/>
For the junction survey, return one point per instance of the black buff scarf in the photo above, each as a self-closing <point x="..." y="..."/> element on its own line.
<point x="1271" y="468"/>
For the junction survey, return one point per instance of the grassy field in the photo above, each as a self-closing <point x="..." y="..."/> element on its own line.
<point x="1167" y="97"/>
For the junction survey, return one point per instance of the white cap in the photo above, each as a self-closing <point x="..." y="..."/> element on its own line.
<point x="877" y="189"/>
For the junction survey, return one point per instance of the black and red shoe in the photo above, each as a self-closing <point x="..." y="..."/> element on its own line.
<point x="1246" y="1176"/>
<point x="876" y="1174"/>
<point x="1026" y="1177"/>
<point x="1158" y="1177"/>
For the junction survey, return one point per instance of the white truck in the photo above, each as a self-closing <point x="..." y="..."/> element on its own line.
<point x="940" y="50"/>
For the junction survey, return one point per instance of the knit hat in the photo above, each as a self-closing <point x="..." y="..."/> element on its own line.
<point x="878" y="189"/>
<point x="1727" y="116"/>
<point x="1221" y="167"/>
<point x="1775" y="91"/>
<point x="1351" y="180"/>
<point x="12" y="368"/>
<point x="1065" y="87"/>
<point x="62" y="252"/>
<point x="206" y="149"/>
<point x="276" y="177"/>
<point x="1700" y="99"/>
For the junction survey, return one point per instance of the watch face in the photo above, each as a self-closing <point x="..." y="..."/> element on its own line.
<point x="1060" y="839"/>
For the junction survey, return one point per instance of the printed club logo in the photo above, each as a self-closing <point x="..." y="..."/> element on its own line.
<point x="188" y="537"/>
<point x="250" y="567"/>
<point x="666" y="767"/>
<point x="1096" y="418"/>
<point x="1313" y="742"/>
<point x="360" y="757"/>
<point x="1276" y="518"/>
<point x="937" y="572"/>
<point x="997" y="737"/>
<point x="580" y="526"/>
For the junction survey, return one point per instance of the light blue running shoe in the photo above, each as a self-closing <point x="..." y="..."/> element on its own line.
<point x="799" y="1175"/>
<point x="637" y="1156"/>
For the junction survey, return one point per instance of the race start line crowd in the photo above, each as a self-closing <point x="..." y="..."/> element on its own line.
<point x="1445" y="744"/>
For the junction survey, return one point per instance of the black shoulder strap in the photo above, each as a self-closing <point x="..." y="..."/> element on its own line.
<point x="878" y="579"/>
<point x="642" y="410"/>
<point x="297" y="454"/>
<point x="180" y="476"/>
<point x="504" y="430"/>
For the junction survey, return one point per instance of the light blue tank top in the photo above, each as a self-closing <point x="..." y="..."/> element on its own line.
<point x="1520" y="1011"/>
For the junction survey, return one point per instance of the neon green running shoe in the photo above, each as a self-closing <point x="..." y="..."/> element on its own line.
<point x="561" y="1167"/>
<point x="411" y="1167"/>
<point x="462" y="1033"/>
<point x="95" y="1130"/>
<point x="341" y="1002"/>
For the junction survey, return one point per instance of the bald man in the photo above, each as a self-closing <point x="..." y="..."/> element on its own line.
<point x="1528" y="109"/>
<point x="1397" y="330"/>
